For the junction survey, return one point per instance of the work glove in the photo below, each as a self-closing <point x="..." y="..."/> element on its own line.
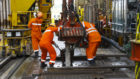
<point x="61" y="26"/>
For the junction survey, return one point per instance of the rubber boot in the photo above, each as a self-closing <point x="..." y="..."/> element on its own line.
<point x="36" y="54"/>
<point x="51" y="65"/>
<point x="91" y="62"/>
<point x="43" y="65"/>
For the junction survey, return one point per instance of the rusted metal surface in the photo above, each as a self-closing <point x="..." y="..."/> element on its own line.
<point x="64" y="13"/>
<point x="72" y="31"/>
<point x="71" y="34"/>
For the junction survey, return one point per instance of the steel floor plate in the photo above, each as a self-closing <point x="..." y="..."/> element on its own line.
<point x="83" y="69"/>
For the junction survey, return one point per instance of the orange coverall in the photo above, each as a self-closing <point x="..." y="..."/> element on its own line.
<point x="35" y="25"/>
<point x="94" y="39"/>
<point x="46" y="44"/>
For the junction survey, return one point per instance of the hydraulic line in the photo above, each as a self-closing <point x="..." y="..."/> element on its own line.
<point x="115" y="44"/>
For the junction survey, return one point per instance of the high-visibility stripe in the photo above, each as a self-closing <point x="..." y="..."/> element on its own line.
<point x="36" y="24"/>
<point x="91" y="31"/>
<point x="90" y="59"/>
<point x="58" y="29"/>
<point x="91" y="25"/>
<point x="83" y="24"/>
<point x="36" y="50"/>
<point x="47" y="30"/>
<point x="43" y="60"/>
<point x="52" y="61"/>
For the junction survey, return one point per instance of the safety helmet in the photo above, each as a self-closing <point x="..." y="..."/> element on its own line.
<point x="53" y="24"/>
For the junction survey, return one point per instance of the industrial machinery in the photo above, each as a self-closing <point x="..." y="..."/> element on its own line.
<point x="21" y="14"/>
<point x="18" y="43"/>
<point x="123" y="21"/>
<point x="16" y="33"/>
<point x="110" y="62"/>
<point x="72" y="33"/>
<point x="114" y="19"/>
<point x="135" y="46"/>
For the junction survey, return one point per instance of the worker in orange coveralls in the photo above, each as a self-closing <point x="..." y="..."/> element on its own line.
<point x="35" y="25"/>
<point x="46" y="45"/>
<point x="94" y="39"/>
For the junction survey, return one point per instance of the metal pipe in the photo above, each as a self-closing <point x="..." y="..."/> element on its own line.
<point x="3" y="5"/>
<point x="0" y="15"/>
<point x="115" y="44"/>
<point x="6" y="14"/>
<point x="9" y="12"/>
<point x="64" y="12"/>
<point x="15" y="68"/>
<point x="6" y="60"/>
<point x="2" y="8"/>
<point x="70" y="2"/>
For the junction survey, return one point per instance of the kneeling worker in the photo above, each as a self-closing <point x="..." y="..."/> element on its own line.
<point x="46" y="45"/>
<point x="94" y="39"/>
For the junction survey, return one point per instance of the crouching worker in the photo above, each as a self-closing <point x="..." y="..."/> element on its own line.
<point x="46" y="45"/>
<point x="94" y="39"/>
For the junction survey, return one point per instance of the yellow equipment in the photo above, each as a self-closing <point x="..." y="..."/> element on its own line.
<point x="81" y="13"/>
<point x="135" y="46"/>
<point x="138" y="28"/>
<point x="17" y="42"/>
<point x="21" y="12"/>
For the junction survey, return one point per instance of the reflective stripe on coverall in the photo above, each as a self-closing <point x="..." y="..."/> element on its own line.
<point x="46" y="44"/>
<point x="94" y="39"/>
<point x="35" y="25"/>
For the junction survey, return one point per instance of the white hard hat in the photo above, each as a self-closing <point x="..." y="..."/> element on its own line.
<point x="53" y="24"/>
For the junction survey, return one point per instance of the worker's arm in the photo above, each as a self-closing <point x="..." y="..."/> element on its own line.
<point x="30" y="24"/>
<point x="56" y="29"/>
<point x="93" y="24"/>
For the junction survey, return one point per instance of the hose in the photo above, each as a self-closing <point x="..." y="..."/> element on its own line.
<point x="114" y="43"/>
